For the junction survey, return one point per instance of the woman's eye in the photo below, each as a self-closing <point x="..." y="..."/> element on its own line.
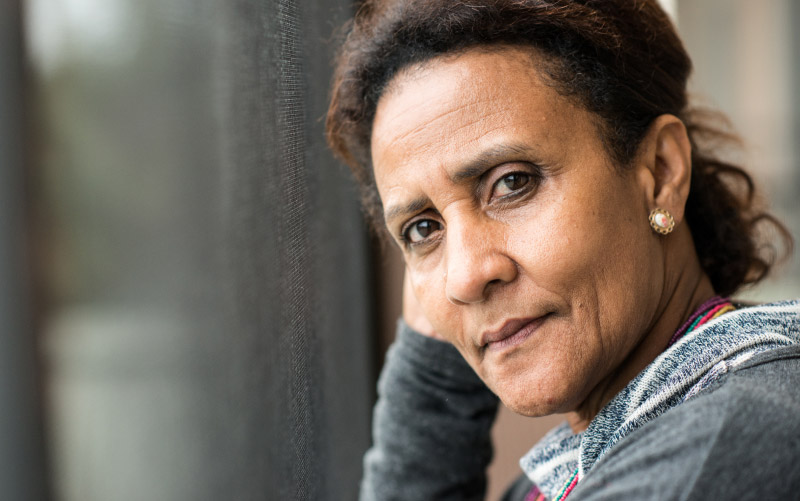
<point x="420" y="230"/>
<point x="510" y="183"/>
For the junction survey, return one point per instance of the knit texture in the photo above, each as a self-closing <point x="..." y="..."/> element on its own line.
<point x="689" y="367"/>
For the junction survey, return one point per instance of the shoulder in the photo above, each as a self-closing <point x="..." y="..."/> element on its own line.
<point x="780" y="317"/>
<point x="738" y="438"/>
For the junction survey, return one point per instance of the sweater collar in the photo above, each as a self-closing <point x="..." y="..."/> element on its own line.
<point x="685" y="369"/>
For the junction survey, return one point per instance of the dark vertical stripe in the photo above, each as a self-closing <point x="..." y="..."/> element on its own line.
<point x="293" y="210"/>
<point x="22" y="465"/>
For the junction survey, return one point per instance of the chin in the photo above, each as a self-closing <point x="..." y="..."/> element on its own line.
<point x="529" y="400"/>
<point x="533" y="407"/>
<point x="530" y="395"/>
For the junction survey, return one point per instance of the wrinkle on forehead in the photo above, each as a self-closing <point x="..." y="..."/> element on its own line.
<point x="469" y="84"/>
<point x="448" y="82"/>
<point x="423" y="125"/>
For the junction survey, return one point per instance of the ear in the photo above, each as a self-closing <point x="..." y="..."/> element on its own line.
<point x="665" y="156"/>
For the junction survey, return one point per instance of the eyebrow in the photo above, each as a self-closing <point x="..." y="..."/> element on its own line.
<point x="474" y="168"/>
<point x="413" y="206"/>
<point x="486" y="160"/>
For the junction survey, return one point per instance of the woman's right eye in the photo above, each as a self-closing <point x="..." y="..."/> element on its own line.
<point x="419" y="231"/>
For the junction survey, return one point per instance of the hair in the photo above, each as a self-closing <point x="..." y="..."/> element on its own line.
<point x="620" y="59"/>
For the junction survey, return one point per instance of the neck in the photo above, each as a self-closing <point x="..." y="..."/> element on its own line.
<point x="691" y="289"/>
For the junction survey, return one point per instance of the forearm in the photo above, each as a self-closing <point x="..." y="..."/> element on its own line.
<point x="431" y="425"/>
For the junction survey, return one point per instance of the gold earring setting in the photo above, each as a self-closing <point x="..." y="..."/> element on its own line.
<point x="661" y="221"/>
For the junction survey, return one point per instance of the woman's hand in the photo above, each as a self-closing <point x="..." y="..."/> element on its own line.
<point x="413" y="314"/>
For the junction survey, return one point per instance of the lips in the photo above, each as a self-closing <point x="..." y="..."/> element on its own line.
<point x="512" y="332"/>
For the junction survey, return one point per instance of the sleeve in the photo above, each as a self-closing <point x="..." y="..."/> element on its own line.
<point x="431" y="425"/>
<point x="738" y="441"/>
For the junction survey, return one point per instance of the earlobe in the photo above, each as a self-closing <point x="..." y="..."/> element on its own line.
<point x="671" y="164"/>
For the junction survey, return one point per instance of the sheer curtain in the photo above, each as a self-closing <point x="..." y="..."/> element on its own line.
<point x="207" y="330"/>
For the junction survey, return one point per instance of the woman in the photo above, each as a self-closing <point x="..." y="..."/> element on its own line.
<point x="570" y="242"/>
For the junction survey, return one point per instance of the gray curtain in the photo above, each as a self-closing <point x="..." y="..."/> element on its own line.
<point x="210" y="329"/>
<point x="289" y="206"/>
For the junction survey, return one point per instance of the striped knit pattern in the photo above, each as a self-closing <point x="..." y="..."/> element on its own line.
<point x="571" y="483"/>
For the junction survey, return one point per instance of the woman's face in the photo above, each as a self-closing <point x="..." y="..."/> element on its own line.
<point x="526" y="247"/>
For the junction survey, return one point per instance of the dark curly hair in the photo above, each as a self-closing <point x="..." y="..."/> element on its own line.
<point x="620" y="59"/>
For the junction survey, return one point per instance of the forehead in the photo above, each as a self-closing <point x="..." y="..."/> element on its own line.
<point x="479" y="88"/>
<point x="435" y="118"/>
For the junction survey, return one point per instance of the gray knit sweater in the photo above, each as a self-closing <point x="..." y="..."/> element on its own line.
<point x="716" y="416"/>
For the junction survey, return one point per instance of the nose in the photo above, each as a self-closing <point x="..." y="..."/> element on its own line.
<point x="476" y="262"/>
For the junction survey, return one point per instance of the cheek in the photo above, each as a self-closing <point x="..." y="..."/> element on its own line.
<point x="619" y="261"/>
<point x="588" y="248"/>
<point x="429" y="289"/>
<point x="552" y="241"/>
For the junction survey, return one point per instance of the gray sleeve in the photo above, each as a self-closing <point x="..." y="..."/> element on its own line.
<point x="431" y="425"/>
<point x="739" y="441"/>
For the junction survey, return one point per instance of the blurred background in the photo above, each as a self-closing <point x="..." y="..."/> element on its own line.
<point x="190" y="304"/>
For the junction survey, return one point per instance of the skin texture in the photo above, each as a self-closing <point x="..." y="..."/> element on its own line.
<point x="517" y="212"/>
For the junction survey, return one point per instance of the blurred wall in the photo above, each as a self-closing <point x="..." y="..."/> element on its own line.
<point x="747" y="64"/>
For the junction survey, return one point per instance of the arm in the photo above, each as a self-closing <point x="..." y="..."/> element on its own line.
<point x="431" y="425"/>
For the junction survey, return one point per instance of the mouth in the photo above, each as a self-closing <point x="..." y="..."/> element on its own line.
<point x="511" y="333"/>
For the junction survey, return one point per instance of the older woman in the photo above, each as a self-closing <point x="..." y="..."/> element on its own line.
<point x="572" y="243"/>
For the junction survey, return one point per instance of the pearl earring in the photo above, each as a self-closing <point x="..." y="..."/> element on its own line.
<point x="661" y="221"/>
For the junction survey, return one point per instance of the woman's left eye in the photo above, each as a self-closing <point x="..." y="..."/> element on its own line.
<point x="510" y="183"/>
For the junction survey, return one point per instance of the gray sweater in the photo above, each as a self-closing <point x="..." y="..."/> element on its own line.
<point x="716" y="416"/>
